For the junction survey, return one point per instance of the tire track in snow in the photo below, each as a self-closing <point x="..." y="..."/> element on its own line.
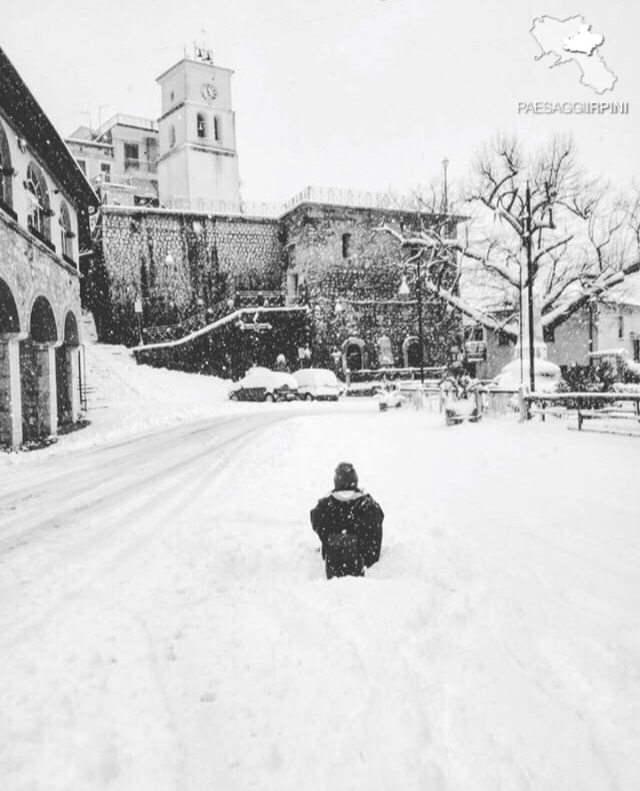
<point x="129" y="524"/>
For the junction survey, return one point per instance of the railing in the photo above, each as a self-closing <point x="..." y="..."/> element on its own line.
<point x="127" y="120"/>
<point x="205" y="316"/>
<point x="244" y="208"/>
<point x="391" y="373"/>
<point x="585" y="406"/>
<point x="321" y="195"/>
<point x="498" y="403"/>
<point x="355" y="198"/>
<point x="173" y="332"/>
<point x="476" y="349"/>
<point x="260" y="298"/>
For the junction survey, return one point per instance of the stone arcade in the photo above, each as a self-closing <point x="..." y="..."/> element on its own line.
<point x="44" y="199"/>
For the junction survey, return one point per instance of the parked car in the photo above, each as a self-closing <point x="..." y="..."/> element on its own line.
<point x="547" y="376"/>
<point x="317" y="383"/>
<point x="262" y="384"/>
<point x="461" y="410"/>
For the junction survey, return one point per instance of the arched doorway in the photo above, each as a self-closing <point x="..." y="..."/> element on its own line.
<point x="67" y="366"/>
<point x="38" y="373"/>
<point x="353" y="354"/>
<point x="10" y="400"/>
<point x="411" y="352"/>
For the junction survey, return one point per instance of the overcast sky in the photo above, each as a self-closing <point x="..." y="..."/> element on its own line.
<point x="359" y="94"/>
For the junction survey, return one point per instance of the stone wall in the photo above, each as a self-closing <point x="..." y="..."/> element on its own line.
<point x="319" y="255"/>
<point x="174" y="263"/>
<point x="342" y="260"/>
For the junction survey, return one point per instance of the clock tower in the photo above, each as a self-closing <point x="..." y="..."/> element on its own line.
<point x="198" y="161"/>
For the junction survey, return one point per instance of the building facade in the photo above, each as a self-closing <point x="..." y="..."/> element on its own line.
<point x="609" y="326"/>
<point x="199" y="160"/>
<point x="120" y="159"/>
<point x="44" y="201"/>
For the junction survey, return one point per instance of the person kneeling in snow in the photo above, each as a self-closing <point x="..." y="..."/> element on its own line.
<point x="348" y="522"/>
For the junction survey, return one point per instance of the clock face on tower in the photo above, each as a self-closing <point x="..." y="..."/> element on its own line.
<point x="209" y="91"/>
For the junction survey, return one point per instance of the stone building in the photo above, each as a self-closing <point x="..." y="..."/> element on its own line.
<point x="44" y="200"/>
<point x="322" y="273"/>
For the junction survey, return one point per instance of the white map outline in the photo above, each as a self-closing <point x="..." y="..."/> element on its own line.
<point x="595" y="73"/>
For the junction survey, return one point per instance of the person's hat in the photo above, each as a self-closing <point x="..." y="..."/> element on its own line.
<point x="345" y="477"/>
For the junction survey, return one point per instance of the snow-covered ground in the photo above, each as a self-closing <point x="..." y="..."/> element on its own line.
<point x="165" y="623"/>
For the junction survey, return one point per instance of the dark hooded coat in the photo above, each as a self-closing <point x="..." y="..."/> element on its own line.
<point x="353" y="511"/>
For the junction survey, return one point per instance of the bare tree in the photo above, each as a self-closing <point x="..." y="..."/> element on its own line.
<point x="584" y="238"/>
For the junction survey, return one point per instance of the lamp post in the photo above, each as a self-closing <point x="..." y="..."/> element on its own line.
<point x="532" y="375"/>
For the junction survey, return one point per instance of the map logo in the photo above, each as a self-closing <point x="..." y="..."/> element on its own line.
<point x="570" y="40"/>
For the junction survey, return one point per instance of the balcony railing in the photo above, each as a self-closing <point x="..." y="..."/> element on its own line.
<point x="141" y="165"/>
<point x="475" y="348"/>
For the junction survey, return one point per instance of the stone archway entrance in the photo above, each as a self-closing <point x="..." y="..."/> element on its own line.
<point x="353" y="354"/>
<point x="67" y="364"/>
<point x="10" y="401"/>
<point x="411" y="352"/>
<point x="38" y="373"/>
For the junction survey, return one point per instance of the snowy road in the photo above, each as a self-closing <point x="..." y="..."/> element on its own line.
<point x="165" y="623"/>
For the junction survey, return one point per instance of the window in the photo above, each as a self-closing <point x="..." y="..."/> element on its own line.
<point x="620" y="326"/>
<point x="346" y="245"/>
<point x="82" y="164"/>
<point x="503" y="338"/>
<point x="131" y="156"/>
<point x="105" y="171"/>
<point x="66" y="233"/>
<point x="172" y="136"/>
<point x="202" y="125"/>
<point x="6" y="171"/>
<point x="38" y="203"/>
<point x="549" y="334"/>
<point x="217" y="128"/>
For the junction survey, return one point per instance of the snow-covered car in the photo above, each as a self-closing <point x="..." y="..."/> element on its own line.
<point x="461" y="410"/>
<point x="547" y="376"/>
<point x="262" y="384"/>
<point x="317" y="383"/>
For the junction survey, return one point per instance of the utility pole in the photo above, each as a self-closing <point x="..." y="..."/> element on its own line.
<point x="532" y="378"/>
<point x="420" y="328"/>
